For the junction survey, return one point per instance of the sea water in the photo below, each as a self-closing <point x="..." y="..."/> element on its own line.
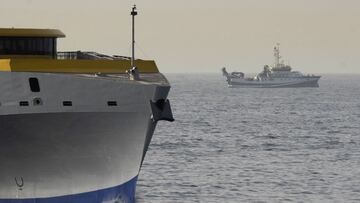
<point x="256" y="145"/>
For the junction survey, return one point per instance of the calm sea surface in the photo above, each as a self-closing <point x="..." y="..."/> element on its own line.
<point x="256" y="145"/>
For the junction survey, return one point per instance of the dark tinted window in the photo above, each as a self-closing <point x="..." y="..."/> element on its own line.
<point x="67" y="103"/>
<point x="112" y="103"/>
<point x="34" y="84"/>
<point x="27" y="46"/>
<point x="24" y="103"/>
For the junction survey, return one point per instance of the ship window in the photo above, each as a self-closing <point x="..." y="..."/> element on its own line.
<point x="24" y="103"/>
<point x="34" y="84"/>
<point x="67" y="103"/>
<point x="27" y="46"/>
<point x="112" y="103"/>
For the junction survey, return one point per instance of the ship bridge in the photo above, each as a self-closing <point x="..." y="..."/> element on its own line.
<point x="28" y="42"/>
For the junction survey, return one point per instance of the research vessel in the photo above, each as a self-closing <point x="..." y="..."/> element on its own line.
<point x="74" y="126"/>
<point x="278" y="75"/>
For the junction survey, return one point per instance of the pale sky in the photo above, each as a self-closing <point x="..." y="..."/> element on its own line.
<point x="316" y="36"/>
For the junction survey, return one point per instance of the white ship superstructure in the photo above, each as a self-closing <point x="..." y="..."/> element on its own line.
<point x="278" y="75"/>
<point x="75" y="126"/>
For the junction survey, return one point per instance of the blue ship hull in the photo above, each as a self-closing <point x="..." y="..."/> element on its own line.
<point x="124" y="193"/>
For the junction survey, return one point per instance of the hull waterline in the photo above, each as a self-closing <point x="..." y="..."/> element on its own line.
<point x="313" y="82"/>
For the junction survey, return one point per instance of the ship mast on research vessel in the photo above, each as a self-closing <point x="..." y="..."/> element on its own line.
<point x="277" y="55"/>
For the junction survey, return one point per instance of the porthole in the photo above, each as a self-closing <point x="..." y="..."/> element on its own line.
<point x="37" y="102"/>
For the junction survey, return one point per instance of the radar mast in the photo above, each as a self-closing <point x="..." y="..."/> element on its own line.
<point x="277" y="55"/>
<point x="133" y="13"/>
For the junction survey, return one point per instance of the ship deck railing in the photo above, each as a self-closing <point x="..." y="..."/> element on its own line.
<point x="78" y="55"/>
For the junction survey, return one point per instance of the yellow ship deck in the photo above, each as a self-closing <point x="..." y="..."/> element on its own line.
<point x="74" y="66"/>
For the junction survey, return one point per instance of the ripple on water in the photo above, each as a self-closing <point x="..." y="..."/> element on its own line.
<point x="255" y="145"/>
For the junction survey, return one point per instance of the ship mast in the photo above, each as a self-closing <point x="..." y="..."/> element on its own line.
<point x="277" y="55"/>
<point x="133" y="13"/>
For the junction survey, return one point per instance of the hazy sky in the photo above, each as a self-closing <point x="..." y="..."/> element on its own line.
<point x="316" y="36"/>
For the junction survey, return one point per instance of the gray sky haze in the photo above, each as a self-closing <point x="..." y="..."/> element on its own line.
<point x="316" y="36"/>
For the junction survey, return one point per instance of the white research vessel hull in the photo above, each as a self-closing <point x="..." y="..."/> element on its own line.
<point x="306" y="81"/>
<point x="87" y="152"/>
